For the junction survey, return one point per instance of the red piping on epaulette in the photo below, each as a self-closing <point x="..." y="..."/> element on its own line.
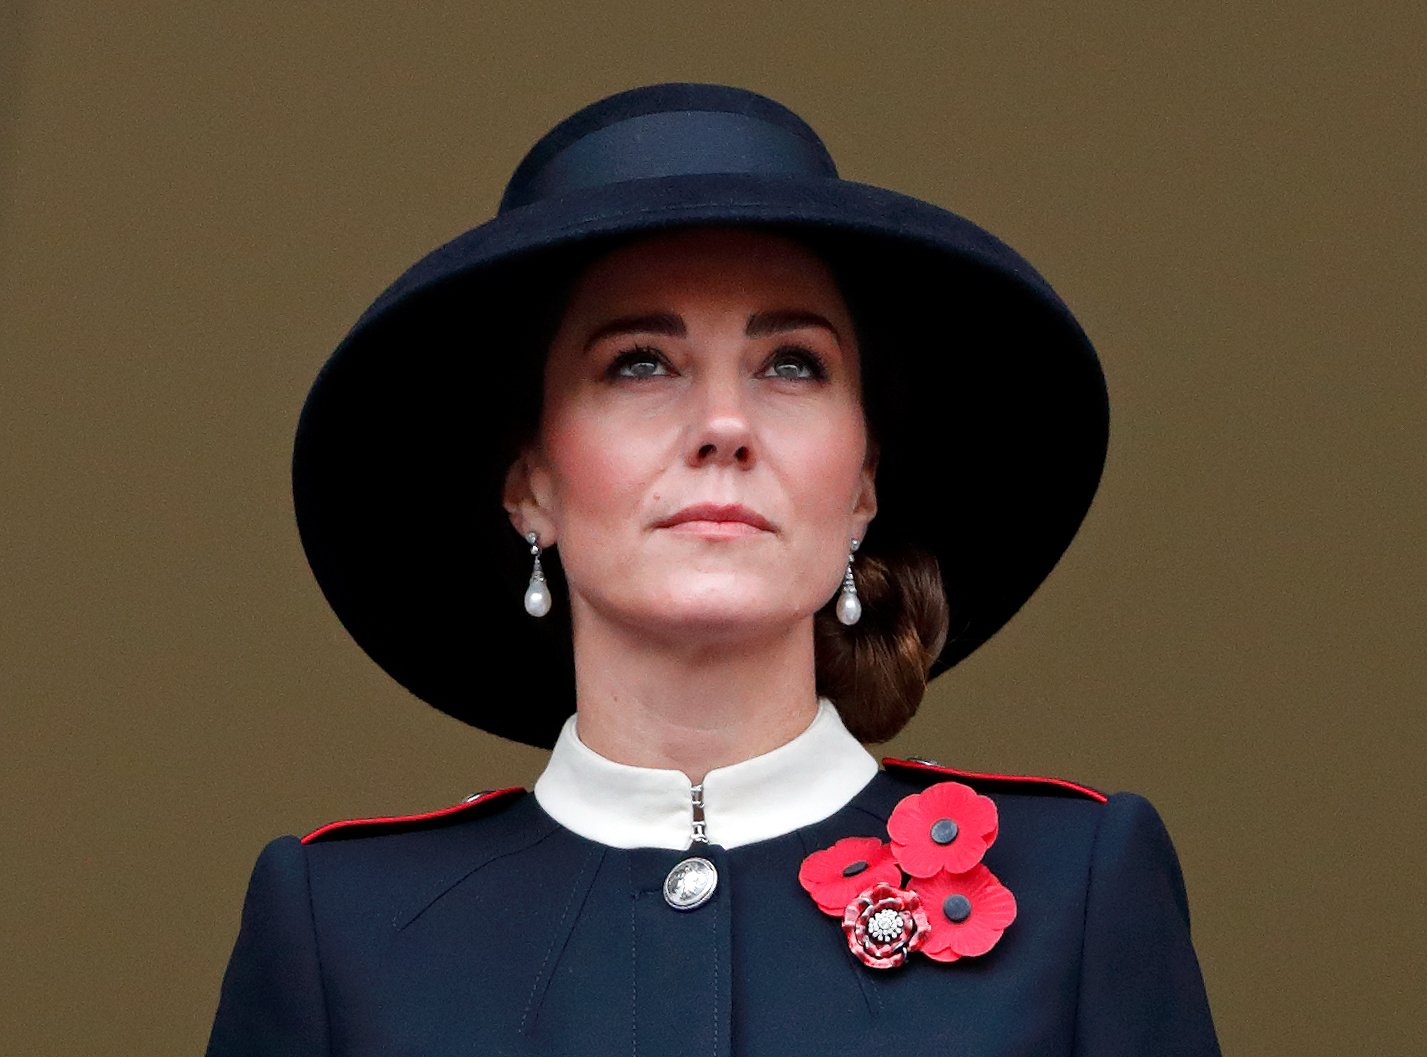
<point x="913" y="765"/>
<point x="454" y="809"/>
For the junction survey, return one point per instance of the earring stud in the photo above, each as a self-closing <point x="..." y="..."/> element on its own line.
<point x="537" y="594"/>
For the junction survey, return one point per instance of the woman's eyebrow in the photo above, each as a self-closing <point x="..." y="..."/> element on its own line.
<point x="665" y="323"/>
<point x="762" y="324"/>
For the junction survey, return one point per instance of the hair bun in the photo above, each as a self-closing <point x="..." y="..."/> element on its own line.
<point x="876" y="671"/>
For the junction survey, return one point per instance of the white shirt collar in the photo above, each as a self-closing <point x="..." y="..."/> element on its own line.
<point x="794" y="785"/>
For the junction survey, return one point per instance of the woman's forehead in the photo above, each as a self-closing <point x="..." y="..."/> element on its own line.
<point x="727" y="263"/>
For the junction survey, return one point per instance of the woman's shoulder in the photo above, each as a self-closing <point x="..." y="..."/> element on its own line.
<point x="920" y="770"/>
<point x="379" y="869"/>
<point x="1047" y="826"/>
<point x="405" y="850"/>
<point x="1039" y="817"/>
<point x="1044" y="793"/>
<point x="483" y="804"/>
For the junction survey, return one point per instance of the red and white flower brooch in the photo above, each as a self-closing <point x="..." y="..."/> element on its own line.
<point x="948" y="906"/>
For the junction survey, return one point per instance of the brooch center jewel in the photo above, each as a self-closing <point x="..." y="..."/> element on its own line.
<point x="885" y="925"/>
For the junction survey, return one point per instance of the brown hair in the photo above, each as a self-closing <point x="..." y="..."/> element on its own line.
<point x="876" y="670"/>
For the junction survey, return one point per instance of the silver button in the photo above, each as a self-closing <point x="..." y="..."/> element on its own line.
<point x="691" y="884"/>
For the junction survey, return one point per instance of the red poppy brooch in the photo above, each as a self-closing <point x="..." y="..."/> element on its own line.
<point x="948" y="905"/>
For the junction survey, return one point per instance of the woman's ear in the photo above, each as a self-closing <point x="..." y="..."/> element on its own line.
<point x="527" y="499"/>
<point x="865" y="507"/>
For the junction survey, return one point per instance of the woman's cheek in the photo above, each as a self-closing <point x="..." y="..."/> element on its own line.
<point x="829" y="468"/>
<point x="598" y="472"/>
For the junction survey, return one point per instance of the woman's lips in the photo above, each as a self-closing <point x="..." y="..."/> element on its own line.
<point x="715" y="529"/>
<point x="717" y="521"/>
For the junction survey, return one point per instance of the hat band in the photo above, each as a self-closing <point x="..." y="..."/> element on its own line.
<point x="678" y="143"/>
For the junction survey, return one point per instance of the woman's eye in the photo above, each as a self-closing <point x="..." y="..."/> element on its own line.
<point x="638" y="363"/>
<point x="796" y="364"/>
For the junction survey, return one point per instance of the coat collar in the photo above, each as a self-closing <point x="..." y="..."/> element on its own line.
<point x="794" y="785"/>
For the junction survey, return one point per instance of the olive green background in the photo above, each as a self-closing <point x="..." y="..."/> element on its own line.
<point x="198" y="200"/>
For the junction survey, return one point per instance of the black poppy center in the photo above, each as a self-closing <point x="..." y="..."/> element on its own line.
<point x="944" y="831"/>
<point x="852" y="869"/>
<point x="956" y="908"/>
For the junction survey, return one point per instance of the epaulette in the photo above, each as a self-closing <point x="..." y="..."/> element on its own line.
<point x="476" y="803"/>
<point x="995" y="783"/>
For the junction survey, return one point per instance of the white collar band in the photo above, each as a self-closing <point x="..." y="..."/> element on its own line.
<point x="622" y="806"/>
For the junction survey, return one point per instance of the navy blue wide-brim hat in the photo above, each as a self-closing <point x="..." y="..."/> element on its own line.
<point x="985" y="396"/>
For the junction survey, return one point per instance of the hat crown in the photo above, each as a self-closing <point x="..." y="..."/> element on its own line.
<point x="668" y="130"/>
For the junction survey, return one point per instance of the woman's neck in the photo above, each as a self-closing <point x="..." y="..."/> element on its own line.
<point x="653" y="702"/>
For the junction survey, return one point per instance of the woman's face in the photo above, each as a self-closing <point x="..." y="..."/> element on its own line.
<point x="702" y="460"/>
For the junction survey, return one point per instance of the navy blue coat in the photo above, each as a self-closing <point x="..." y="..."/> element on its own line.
<point x="490" y="929"/>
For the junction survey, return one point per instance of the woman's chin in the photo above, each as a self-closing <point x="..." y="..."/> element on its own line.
<point x="730" y="620"/>
<point x="713" y="616"/>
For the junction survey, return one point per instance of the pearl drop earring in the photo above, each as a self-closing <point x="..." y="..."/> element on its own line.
<point x="537" y="594"/>
<point x="849" y="606"/>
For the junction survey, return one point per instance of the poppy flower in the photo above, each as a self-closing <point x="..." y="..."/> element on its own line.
<point x="946" y="827"/>
<point x="836" y="875"/>
<point x="883" y="925"/>
<point x="967" y="913"/>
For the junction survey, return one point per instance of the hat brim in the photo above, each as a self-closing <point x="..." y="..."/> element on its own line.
<point x="989" y="459"/>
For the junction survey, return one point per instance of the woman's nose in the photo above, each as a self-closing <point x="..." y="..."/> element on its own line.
<point x="723" y="435"/>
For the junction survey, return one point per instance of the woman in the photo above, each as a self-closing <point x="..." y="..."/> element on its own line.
<point x="705" y="370"/>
